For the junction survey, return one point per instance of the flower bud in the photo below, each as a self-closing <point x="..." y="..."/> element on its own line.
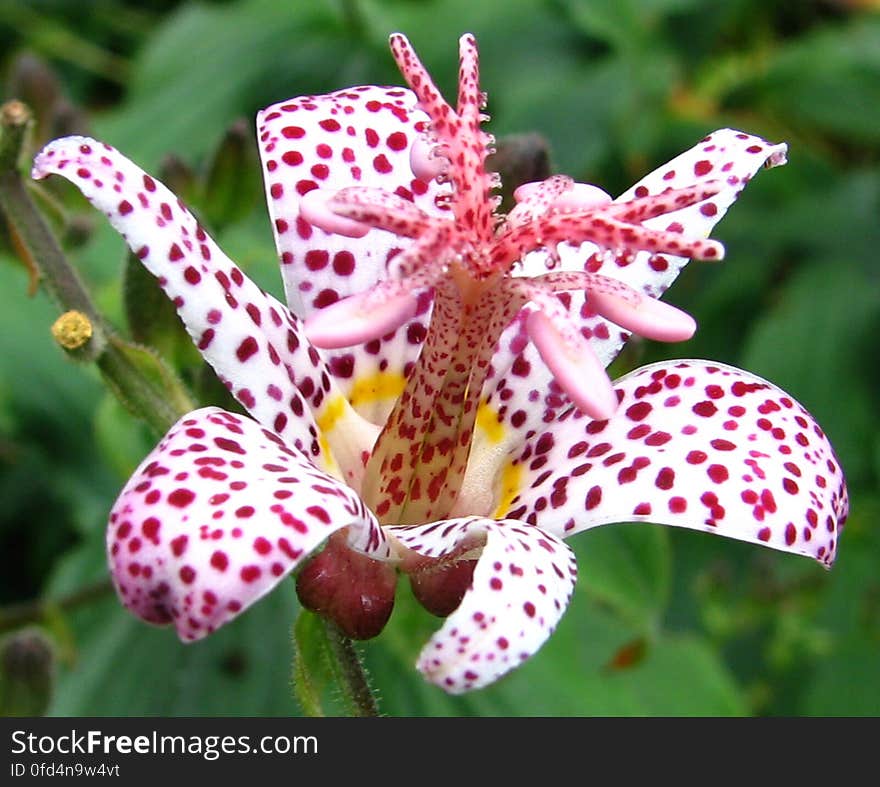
<point x="26" y="673"/>
<point x="440" y="588"/>
<point x="351" y="589"/>
<point x="72" y="330"/>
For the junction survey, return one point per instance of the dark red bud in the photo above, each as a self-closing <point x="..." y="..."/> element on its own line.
<point x="440" y="587"/>
<point x="351" y="589"/>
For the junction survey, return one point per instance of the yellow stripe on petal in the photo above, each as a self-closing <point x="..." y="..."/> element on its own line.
<point x="376" y="387"/>
<point x="511" y="486"/>
<point x="333" y="410"/>
<point x="327" y="420"/>
<point x="326" y="460"/>
<point x="489" y="423"/>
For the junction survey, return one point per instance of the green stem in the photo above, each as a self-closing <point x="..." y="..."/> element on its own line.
<point x="115" y="358"/>
<point x="325" y="656"/>
<point x="159" y="406"/>
<point x="15" y="616"/>
<point x="59" y="277"/>
<point x="349" y="672"/>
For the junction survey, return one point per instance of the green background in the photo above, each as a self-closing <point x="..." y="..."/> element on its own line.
<point x="662" y="622"/>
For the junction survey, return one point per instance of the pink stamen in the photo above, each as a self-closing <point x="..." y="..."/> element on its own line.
<point x="459" y="134"/>
<point x="314" y="207"/>
<point x="574" y="364"/>
<point x="608" y="297"/>
<point x="641" y="209"/>
<point x="362" y="317"/>
<point x="473" y="244"/>
<point x="645" y="316"/>
<point x="533" y="199"/>
<point x="381" y="209"/>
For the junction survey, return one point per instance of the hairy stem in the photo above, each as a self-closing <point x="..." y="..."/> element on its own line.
<point x="58" y="276"/>
<point x="144" y="396"/>
<point x="349" y="672"/>
<point x="325" y="657"/>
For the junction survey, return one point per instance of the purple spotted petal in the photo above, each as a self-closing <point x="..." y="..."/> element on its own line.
<point x="217" y="515"/>
<point x="362" y="136"/>
<point x="256" y="346"/>
<point x="694" y="444"/>
<point x="521" y="586"/>
<point x="729" y="156"/>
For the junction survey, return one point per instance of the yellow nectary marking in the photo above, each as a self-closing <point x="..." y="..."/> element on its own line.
<point x="374" y="387"/>
<point x="511" y="486"/>
<point x="327" y="460"/>
<point x="332" y="411"/>
<point x="487" y="420"/>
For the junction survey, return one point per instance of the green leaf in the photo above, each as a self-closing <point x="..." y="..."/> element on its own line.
<point x="844" y="681"/>
<point x="152" y="318"/>
<point x="626" y="24"/>
<point x="845" y="684"/>
<point x="571" y="675"/>
<point x="827" y="81"/>
<point x="207" y="65"/>
<point x="574" y="674"/>
<point x="124" y="667"/>
<point x="122" y="441"/>
<point x="232" y="183"/>
<point x="629" y="568"/>
<point x="685" y="676"/>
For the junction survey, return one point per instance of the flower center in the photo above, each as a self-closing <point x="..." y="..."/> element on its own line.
<point x="483" y="269"/>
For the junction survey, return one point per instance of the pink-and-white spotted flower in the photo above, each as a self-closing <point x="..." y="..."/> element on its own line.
<point x="432" y="401"/>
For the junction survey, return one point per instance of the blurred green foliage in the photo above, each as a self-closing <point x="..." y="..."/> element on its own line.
<point x="662" y="622"/>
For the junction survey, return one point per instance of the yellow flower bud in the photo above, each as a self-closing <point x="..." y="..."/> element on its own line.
<point x="72" y="330"/>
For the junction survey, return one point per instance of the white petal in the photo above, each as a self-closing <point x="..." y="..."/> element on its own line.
<point x="217" y="515"/>
<point x="521" y="586"/>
